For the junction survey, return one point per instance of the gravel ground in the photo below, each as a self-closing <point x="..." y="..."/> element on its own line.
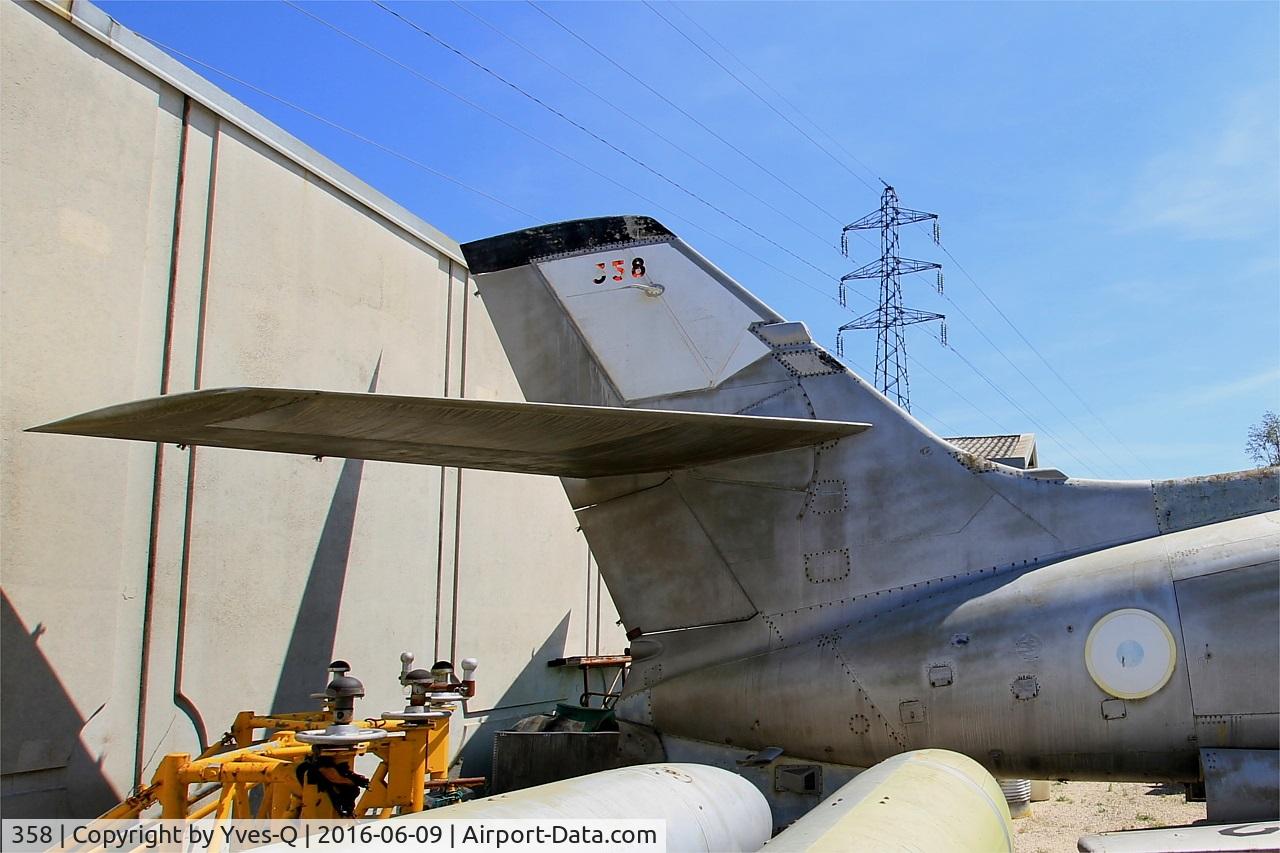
<point x="1080" y="808"/>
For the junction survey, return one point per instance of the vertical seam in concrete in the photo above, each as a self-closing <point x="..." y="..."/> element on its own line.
<point x="457" y="501"/>
<point x="167" y="354"/>
<point x="435" y="648"/>
<point x="448" y="325"/>
<point x="586" y="626"/>
<point x="179" y="698"/>
<point x="208" y="256"/>
<point x="448" y="335"/>
<point x="599" y="584"/>
<point x="153" y="536"/>
<point x="462" y="350"/>
<point x="457" y="567"/>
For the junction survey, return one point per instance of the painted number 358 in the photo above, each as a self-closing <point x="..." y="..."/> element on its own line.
<point x="619" y="269"/>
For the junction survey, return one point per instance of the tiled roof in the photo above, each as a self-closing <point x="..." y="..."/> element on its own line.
<point x="999" y="448"/>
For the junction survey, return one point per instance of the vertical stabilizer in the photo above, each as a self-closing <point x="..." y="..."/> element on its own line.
<point x="620" y="312"/>
<point x="614" y="311"/>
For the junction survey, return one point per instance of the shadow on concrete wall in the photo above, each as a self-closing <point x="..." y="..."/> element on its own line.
<point x="47" y="771"/>
<point x="518" y="700"/>
<point x="316" y="625"/>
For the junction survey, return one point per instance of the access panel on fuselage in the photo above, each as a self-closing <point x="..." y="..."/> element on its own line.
<point x="1231" y="633"/>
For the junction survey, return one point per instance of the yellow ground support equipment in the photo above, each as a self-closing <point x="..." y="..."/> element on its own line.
<point x="303" y="766"/>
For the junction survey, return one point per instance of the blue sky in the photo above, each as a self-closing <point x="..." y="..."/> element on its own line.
<point x="1108" y="174"/>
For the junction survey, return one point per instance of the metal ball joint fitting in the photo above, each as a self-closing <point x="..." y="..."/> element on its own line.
<point x="442" y="675"/>
<point x="432" y="693"/>
<point x="417" y="711"/>
<point x="418" y="681"/>
<point x="340" y="695"/>
<point x="335" y="669"/>
<point x="342" y="692"/>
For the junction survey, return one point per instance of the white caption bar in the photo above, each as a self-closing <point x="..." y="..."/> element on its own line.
<point x="275" y="836"/>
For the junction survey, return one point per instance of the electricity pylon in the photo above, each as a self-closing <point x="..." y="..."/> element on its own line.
<point x="890" y="317"/>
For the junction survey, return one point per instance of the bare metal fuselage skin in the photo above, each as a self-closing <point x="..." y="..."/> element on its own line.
<point x="995" y="668"/>
<point x="885" y="591"/>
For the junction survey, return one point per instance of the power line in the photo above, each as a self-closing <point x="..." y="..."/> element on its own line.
<point x="1043" y="360"/>
<point x="828" y="153"/>
<point x="658" y="94"/>
<point x="859" y="370"/>
<point x="535" y="99"/>
<point x="626" y="113"/>
<point x="890" y="317"/>
<point x="981" y="411"/>
<point x="763" y="100"/>
<point x="681" y="110"/>
<point x="946" y="345"/>
<point x="541" y="141"/>
<point x="862" y="371"/>
<point x="978" y="328"/>
<point x="333" y="124"/>
<point x="1029" y="381"/>
<point x="781" y="97"/>
<point x="1036" y="423"/>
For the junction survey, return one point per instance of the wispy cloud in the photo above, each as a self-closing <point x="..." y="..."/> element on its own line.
<point x="1218" y="391"/>
<point x="1222" y="183"/>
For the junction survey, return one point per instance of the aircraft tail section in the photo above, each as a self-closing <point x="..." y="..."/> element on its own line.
<point x="613" y="311"/>
<point x="621" y="312"/>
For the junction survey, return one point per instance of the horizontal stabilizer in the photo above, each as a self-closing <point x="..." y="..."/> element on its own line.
<point x="531" y="438"/>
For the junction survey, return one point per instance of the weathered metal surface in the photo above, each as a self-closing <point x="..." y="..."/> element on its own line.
<point x="928" y="799"/>
<point x="1261" y="837"/>
<point x="523" y="247"/>
<point x="1197" y="501"/>
<point x="1241" y="784"/>
<point x="652" y="343"/>
<point x="797" y="778"/>
<point x="557" y="366"/>
<point x="623" y="532"/>
<point x="1231" y="630"/>
<point x="1238" y="730"/>
<point x="534" y="438"/>
<point x="1026" y="631"/>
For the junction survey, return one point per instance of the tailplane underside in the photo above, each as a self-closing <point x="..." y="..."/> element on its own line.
<point x="531" y="438"/>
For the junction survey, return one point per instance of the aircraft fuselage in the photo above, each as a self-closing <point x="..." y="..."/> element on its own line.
<point x="1010" y="669"/>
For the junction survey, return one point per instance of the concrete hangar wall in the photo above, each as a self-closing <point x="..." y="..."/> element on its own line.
<point x="157" y="236"/>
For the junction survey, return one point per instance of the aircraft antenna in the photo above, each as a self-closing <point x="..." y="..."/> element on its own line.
<point x="889" y="318"/>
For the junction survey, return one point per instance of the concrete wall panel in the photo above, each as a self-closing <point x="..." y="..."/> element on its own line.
<point x="82" y="309"/>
